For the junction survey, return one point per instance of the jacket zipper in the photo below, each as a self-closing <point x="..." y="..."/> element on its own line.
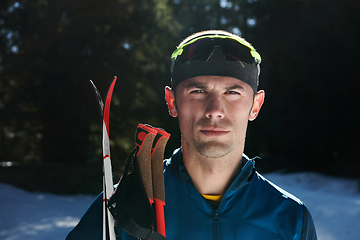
<point x="216" y="212"/>
<point x="216" y="224"/>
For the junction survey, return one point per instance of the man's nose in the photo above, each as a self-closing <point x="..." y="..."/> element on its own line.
<point x="214" y="107"/>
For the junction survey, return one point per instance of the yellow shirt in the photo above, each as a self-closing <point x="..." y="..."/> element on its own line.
<point x="215" y="198"/>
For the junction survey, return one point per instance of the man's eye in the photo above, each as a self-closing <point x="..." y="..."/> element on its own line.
<point x="197" y="91"/>
<point x="233" y="92"/>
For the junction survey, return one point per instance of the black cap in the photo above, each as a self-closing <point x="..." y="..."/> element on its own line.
<point x="216" y="65"/>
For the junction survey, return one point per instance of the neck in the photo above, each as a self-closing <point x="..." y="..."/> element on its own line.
<point x="212" y="176"/>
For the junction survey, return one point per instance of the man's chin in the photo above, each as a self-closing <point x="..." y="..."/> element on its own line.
<point x="213" y="149"/>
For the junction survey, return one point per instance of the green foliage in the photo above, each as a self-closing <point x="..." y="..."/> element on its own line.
<point x="48" y="104"/>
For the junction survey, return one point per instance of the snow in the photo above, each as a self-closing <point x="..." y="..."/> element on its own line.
<point x="333" y="202"/>
<point x="38" y="216"/>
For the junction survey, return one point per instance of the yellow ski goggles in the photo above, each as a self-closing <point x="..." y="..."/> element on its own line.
<point x="200" y="49"/>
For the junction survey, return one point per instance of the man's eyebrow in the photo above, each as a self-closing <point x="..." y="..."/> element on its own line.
<point x="235" y="87"/>
<point x="196" y="85"/>
<point x="203" y="86"/>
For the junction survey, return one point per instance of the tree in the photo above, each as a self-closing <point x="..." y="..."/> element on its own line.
<point x="49" y="52"/>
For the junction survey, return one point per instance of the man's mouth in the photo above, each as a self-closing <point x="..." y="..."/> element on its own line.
<point x="213" y="131"/>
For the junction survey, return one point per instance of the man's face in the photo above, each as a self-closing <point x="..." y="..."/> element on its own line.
<point x="213" y="113"/>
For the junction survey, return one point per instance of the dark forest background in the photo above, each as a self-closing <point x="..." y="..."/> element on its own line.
<point x="50" y="133"/>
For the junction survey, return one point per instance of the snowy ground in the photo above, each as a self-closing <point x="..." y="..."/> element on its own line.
<point x="334" y="204"/>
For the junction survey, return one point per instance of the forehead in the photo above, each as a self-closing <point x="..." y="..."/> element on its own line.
<point x="214" y="81"/>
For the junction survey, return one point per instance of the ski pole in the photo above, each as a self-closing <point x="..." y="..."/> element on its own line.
<point x="145" y="136"/>
<point x="157" y="158"/>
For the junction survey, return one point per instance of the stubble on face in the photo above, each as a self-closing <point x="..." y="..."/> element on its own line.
<point x="212" y="137"/>
<point x="211" y="147"/>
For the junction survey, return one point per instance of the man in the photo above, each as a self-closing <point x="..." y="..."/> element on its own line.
<point x="212" y="189"/>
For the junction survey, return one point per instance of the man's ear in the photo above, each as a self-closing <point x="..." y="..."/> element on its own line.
<point x="170" y="101"/>
<point x="258" y="102"/>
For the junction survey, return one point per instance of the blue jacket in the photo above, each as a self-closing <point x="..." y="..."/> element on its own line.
<point x="252" y="208"/>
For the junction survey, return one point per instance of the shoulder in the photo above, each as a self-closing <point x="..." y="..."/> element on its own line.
<point x="272" y="189"/>
<point x="287" y="209"/>
<point x="291" y="216"/>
